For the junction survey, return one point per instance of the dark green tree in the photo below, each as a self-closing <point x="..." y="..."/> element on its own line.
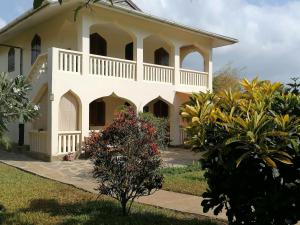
<point x="294" y="87"/>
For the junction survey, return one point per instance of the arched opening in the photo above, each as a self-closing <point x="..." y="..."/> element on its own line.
<point x="192" y="58"/>
<point x="11" y="60"/>
<point x="98" y="45"/>
<point x="111" y="40"/>
<point x="161" y="57"/>
<point x="35" y="48"/>
<point x="158" y="108"/>
<point x="129" y="51"/>
<point x="69" y="110"/>
<point x="157" y="51"/>
<point x="103" y="110"/>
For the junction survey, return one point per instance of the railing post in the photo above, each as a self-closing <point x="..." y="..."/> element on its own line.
<point x="85" y="64"/>
<point x="53" y="103"/>
<point x="209" y="70"/>
<point x="139" y="57"/>
<point x="176" y="65"/>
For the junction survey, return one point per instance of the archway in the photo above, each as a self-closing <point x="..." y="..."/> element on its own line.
<point x="69" y="112"/>
<point x="111" y="40"/>
<point x="192" y="58"/>
<point x="103" y="110"/>
<point x="157" y="51"/>
<point x="98" y="45"/>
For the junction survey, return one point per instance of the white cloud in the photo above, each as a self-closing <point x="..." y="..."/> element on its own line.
<point x="2" y="23"/>
<point x="269" y="34"/>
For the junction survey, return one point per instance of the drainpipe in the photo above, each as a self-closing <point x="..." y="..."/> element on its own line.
<point x="21" y="123"/>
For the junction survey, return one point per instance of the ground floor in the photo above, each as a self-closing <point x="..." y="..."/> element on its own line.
<point x="67" y="118"/>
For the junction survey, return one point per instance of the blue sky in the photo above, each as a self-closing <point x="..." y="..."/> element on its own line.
<point x="268" y="30"/>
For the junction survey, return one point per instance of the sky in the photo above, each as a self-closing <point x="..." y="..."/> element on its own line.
<point x="268" y="31"/>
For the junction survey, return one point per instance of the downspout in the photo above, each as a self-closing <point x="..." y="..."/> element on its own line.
<point x="21" y="123"/>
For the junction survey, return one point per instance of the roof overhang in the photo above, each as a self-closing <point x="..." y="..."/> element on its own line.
<point x="51" y="8"/>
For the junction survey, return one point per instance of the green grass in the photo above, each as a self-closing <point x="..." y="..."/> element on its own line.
<point x="187" y="180"/>
<point x="27" y="199"/>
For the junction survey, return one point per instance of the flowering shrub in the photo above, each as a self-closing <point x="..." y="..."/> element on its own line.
<point x="126" y="159"/>
<point x="250" y="145"/>
<point x="14" y="103"/>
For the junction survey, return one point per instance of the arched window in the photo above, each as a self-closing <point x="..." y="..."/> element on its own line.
<point x="161" y="57"/>
<point x="98" y="45"/>
<point x="35" y="48"/>
<point x="161" y="109"/>
<point x="129" y="51"/>
<point x="97" y="113"/>
<point x="11" y="60"/>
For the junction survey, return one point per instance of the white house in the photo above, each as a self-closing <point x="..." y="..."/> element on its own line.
<point x="83" y="70"/>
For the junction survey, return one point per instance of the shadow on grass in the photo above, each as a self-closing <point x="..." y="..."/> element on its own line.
<point x="105" y="213"/>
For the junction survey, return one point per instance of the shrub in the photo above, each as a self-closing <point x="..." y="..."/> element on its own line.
<point x="161" y="126"/>
<point x="126" y="159"/>
<point x="14" y="103"/>
<point x="250" y="145"/>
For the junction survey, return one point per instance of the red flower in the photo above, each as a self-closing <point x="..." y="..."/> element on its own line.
<point x="154" y="148"/>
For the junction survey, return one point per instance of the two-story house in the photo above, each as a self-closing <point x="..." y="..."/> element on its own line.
<point x="82" y="71"/>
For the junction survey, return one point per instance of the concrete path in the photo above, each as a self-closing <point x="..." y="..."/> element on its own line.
<point x="78" y="174"/>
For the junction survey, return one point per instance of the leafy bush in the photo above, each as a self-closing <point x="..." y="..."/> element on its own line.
<point x="14" y="103"/>
<point x="250" y="145"/>
<point x="126" y="159"/>
<point x="161" y="126"/>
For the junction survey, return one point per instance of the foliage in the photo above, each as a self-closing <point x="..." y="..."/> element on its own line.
<point x="227" y="78"/>
<point x="14" y="103"/>
<point x="39" y="3"/>
<point x="30" y="199"/>
<point x="249" y="141"/>
<point x="295" y="86"/>
<point x="126" y="159"/>
<point x="161" y="126"/>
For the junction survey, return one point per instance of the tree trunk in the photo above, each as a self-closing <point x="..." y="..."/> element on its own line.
<point x="124" y="211"/>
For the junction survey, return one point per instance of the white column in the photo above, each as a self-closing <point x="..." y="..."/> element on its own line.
<point x="85" y="111"/>
<point x="175" y="123"/>
<point x="53" y="103"/>
<point x="209" y="69"/>
<point x="139" y="56"/>
<point x="177" y="64"/>
<point x="83" y="41"/>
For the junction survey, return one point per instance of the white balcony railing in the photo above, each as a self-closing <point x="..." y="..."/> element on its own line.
<point x="112" y="67"/>
<point x="157" y="73"/>
<point x="193" y="78"/>
<point x="70" y="61"/>
<point x="69" y="142"/>
<point x="38" y="141"/>
<point x="102" y="66"/>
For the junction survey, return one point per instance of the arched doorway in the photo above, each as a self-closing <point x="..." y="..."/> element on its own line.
<point x="103" y="110"/>
<point x="98" y="45"/>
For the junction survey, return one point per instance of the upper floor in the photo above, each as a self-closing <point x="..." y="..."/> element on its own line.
<point x="111" y="43"/>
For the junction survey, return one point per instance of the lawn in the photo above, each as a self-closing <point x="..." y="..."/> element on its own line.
<point x="28" y="199"/>
<point x="188" y="180"/>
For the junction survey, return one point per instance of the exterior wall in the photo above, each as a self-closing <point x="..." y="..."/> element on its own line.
<point x="118" y="30"/>
<point x="60" y="32"/>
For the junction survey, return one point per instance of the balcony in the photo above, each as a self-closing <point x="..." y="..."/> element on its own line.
<point x="77" y="63"/>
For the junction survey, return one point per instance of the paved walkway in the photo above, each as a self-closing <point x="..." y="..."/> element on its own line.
<point x="78" y="173"/>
